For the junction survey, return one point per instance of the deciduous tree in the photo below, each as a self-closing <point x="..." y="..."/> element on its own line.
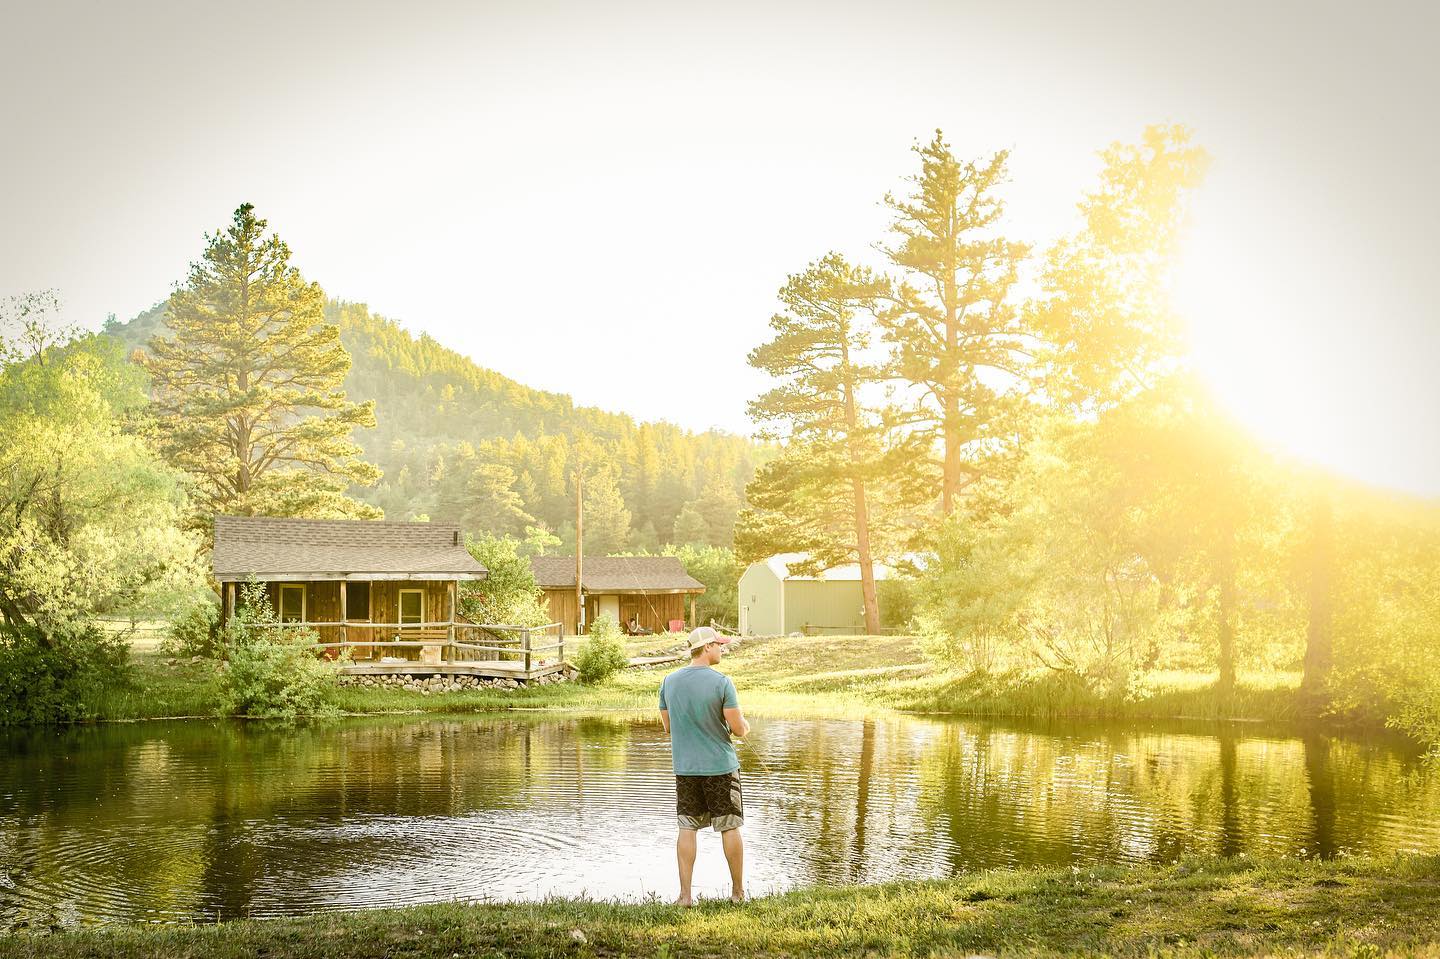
<point x="88" y="514"/>
<point x="1105" y="312"/>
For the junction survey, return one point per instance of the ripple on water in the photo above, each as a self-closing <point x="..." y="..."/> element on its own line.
<point x="167" y="825"/>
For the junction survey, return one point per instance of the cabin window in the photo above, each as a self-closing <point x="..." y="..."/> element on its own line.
<point x="357" y="601"/>
<point x="412" y="606"/>
<point x="292" y="603"/>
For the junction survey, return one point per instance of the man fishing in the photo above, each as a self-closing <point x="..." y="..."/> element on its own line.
<point x="700" y="710"/>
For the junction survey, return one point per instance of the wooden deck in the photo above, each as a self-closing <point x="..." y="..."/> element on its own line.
<point x="488" y="668"/>
<point x="503" y="652"/>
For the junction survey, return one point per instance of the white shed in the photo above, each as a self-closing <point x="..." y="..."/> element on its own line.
<point x="774" y="601"/>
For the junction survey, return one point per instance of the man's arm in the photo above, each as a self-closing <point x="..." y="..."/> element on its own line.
<point x="731" y="707"/>
<point x="665" y="719"/>
<point x="739" y="727"/>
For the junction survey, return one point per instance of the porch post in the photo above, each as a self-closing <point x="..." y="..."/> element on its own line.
<point x="450" y="630"/>
<point x="344" y="633"/>
<point x="693" y="621"/>
<point x="525" y="637"/>
<point x="228" y="610"/>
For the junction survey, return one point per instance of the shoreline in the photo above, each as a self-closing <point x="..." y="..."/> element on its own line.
<point x="1359" y="907"/>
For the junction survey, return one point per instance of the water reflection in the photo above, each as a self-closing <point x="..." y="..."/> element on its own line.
<point x="220" y="820"/>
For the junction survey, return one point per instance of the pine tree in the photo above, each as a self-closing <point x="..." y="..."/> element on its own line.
<point x="818" y="496"/>
<point x="248" y="393"/>
<point x="607" y="520"/>
<point x="718" y="505"/>
<point x="491" y="504"/>
<point x="956" y="333"/>
<point x="690" y="527"/>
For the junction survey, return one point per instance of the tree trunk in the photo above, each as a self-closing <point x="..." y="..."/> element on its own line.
<point x="1319" y="639"/>
<point x="950" y="362"/>
<point x="867" y="562"/>
<point x="13" y="615"/>
<point x="243" y="475"/>
<point x="862" y="507"/>
<point x="1225" y="631"/>
<point x="950" y="478"/>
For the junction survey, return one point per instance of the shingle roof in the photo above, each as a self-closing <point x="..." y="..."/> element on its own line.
<point x="780" y="565"/>
<point x="268" y="547"/>
<point x="615" y="574"/>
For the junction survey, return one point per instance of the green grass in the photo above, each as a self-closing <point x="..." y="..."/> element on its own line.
<point x="1351" y="908"/>
<point x="792" y="676"/>
<point x="155" y="690"/>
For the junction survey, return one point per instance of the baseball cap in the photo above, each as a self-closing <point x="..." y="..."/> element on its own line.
<point x="704" y="636"/>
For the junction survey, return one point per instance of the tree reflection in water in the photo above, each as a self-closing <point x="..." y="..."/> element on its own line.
<point x="207" y="820"/>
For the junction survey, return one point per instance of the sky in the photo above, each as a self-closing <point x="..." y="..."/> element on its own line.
<point x="603" y="198"/>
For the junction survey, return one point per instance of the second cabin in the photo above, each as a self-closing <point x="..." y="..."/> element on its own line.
<point x="642" y="593"/>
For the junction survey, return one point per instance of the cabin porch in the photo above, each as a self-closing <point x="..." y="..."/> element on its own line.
<point x="410" y="627"/>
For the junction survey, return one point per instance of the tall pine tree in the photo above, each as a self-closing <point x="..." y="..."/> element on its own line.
<point x="818" y="496"/>
<point x="956" y="333"/>
<point x="248" y="392"/>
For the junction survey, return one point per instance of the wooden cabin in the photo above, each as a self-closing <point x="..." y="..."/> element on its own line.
<point x="652" y="589"/>
<point x="354" y="579"/>
<point x="386" y="591"/>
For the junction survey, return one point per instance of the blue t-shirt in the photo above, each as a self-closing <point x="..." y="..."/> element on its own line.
<point x="696" y="697"/>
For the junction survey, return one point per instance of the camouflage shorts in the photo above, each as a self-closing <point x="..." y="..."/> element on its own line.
<point x="702" y="801"/>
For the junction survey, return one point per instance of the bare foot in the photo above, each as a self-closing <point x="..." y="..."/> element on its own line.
<point x="737" y="897"/>
<point x="684" y="902"/>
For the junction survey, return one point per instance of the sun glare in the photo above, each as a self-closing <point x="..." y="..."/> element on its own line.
<point x="1263" y="331"/>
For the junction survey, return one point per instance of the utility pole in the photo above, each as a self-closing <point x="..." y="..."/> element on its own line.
<point x="579" y="550"/>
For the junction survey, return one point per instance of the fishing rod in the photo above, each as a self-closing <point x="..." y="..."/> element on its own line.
<point x="772" y="794"/>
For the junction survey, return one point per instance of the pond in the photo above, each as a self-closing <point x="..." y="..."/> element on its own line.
<point x="210" y="820"/>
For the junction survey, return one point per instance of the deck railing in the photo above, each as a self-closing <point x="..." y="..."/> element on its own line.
<point x="448" y="640"/>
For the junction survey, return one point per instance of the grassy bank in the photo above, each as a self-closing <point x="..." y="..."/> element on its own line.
<point x="854" y="675"/>
<point x="1360" y="908"/>
<point x="811" y="676"/>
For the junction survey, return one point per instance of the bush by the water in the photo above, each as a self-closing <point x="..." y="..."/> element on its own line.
<point x="56" y="678"/>
<point x="195" y="632"/>
<point x="274" y="672"/>
<point x="603" y="654"/>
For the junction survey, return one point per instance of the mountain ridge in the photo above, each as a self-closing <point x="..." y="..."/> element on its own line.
<point x="440" y="412"/>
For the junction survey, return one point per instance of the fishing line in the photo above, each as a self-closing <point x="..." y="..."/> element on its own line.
<point x="773" y="794"/>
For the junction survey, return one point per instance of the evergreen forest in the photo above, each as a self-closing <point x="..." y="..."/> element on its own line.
<point x="455" y="441"/>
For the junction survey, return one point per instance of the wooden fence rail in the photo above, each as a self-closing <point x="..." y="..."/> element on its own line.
<point x="522" y="646"/>
<point x="441" y="643"/>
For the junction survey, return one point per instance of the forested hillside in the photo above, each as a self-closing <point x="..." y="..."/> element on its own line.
<point x="457" y="441"/>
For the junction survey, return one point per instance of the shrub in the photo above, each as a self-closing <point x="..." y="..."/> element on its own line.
<point x="719" y="570"/>
<point x="603" y="654"/>
<point x="508" y="595"/>
<point x="274" y="673"/>
<point x="899" y="599"/>
<point x="59" y="678"/>
<point x="195" y="632"/>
